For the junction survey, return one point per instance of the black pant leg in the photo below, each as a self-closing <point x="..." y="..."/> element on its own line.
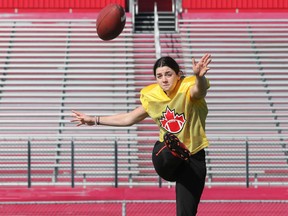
<point x="165" y="164"/>
<point x="190" y="184"/>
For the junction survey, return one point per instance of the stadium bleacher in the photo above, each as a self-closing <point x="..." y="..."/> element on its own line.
<point x="51" y="66"/>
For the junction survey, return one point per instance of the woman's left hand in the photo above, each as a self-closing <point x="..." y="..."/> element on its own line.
<point x="201" y="68"/>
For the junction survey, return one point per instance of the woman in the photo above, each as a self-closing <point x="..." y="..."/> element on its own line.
<point x="177" y="105"/>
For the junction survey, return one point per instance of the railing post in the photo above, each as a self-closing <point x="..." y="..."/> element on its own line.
<point x="116" y="163"/>
<point x="247" y="163"/>
<point x="29" y="163"/>
<point x="72" y="164"/>
<point x="123" y="208"/>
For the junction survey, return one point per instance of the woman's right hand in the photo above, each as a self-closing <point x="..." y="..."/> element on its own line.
<point x="82" y="119"/>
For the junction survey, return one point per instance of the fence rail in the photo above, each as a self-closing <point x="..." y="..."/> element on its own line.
<point x="126" y="161"/>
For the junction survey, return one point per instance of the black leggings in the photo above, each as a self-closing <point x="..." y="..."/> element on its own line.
<point x="190" y="184"/>
<point x="189" y="176"/>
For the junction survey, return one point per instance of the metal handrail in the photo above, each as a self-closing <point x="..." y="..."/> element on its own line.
<point x="176" y="8"/>
<point x="157" y="32"/>
<point x="134" y="11"/>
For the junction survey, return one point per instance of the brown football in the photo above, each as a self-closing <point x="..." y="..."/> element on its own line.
<point x="110" y="21"/>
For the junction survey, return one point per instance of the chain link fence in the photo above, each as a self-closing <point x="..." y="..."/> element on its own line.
<point x="123" y="161"/>
<point x="143" y="208"/>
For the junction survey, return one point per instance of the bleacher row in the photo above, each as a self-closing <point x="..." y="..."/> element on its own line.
<point x="51" y="66"/>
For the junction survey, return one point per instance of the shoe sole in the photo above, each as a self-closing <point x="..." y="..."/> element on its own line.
<point x="174" y="144"/>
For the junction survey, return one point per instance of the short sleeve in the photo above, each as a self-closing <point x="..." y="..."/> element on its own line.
<point x="144" y="101"/>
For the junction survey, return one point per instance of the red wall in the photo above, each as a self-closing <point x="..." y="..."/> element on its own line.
<point x="148" y="5"/>
<point x="57" y="4"/>
<point x="187" y="4"/>
<point x="233" y="4"/>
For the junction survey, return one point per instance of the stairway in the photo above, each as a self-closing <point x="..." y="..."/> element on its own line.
<point x="144" y="22"/>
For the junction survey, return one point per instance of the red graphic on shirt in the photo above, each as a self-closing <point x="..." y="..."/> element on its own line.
<point x="172" y="122"/>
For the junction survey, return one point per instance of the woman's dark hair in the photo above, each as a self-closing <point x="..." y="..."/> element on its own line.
<point x="166" y="61"/>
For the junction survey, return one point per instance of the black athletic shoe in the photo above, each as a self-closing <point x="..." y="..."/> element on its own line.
<point x="176" y="147"/>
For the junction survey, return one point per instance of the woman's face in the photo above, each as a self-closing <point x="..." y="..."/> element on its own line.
<point x="167" y="79"/>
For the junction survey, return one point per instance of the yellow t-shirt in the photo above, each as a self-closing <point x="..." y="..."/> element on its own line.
<point x="178" y="114"/>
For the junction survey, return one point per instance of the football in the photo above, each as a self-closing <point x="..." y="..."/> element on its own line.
<point x="110" y="21"/>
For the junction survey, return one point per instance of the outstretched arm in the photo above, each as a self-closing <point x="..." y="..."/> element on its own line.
<point x="121" y="119"/>
<point x="200" y="69"/>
